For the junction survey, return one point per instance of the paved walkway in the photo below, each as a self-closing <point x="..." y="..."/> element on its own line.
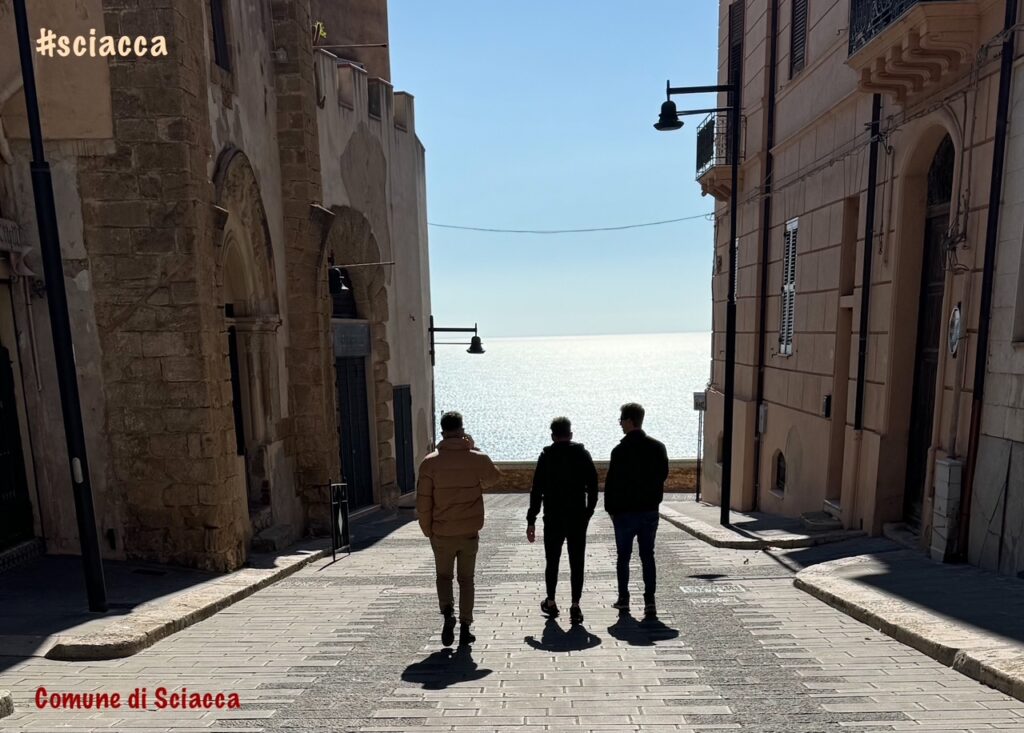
<point x="354" y="646"/>
<point x="747" y="530"/>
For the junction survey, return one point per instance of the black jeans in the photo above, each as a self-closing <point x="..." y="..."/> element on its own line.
<point x="574" y="534"/>
<point x="643" y="526"/>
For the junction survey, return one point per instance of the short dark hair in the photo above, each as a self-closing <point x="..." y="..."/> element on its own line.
<point x="451" y="421"/>
<point x="633" y="411"/>
<point x="561" y="427"/>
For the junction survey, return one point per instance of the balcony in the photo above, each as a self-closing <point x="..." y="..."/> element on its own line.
<point x="908" y="49"/>
<point x="714" y="159"/>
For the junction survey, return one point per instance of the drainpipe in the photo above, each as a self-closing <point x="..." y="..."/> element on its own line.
<point x="988" y="273"/>
<point x="766" y="240"/>
<point x="869" y="247"/>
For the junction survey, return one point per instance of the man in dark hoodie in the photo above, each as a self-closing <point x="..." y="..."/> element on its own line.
<point x="565" y="482"/>
<point x="633" y="490"/>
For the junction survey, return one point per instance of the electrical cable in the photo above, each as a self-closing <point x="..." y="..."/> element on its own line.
<point x="707" y="216"/>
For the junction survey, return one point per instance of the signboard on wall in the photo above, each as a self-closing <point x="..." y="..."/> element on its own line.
<point x="351" y="338"/>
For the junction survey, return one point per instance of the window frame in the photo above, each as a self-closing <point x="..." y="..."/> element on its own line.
<point x="787" y="296"/>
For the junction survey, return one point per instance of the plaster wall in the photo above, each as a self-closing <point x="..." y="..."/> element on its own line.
<point x="821" y="155"/>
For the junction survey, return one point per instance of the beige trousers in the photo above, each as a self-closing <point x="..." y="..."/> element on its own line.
<point x="448" y="551"/>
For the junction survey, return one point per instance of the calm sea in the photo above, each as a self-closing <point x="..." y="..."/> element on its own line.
<point x="509" y="395"/>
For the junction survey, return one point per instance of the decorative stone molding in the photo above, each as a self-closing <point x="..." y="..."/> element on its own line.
<point x="921" y="52"/>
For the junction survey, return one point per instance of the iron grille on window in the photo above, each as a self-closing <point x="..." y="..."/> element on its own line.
<point x="868" y="18"/>
<point x="798" y="38"/>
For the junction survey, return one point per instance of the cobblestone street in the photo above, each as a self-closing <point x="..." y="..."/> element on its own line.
<point x="355" y="646"/>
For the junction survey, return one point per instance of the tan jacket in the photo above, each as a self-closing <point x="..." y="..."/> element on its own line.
<point x="449" y="490"/>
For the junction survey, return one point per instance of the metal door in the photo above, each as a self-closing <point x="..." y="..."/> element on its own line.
<point x="15" y="507"/>
<point x="403" y="439"/>
<point x="929" y="325"/>
<point x="354" y="428"/>
<point x="926" y="364"/>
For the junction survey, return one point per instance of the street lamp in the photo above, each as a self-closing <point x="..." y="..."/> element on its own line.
<point x="476" y="346"/>
<point x="669" y="120"/>
<point x="60" y="325"/>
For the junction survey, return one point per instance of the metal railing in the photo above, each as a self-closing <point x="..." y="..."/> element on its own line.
<point x="713" y="141"/>
<point x="868" y="18"/>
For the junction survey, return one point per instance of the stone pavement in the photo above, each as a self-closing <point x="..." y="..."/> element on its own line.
<point x="979" y="629"/>
<point x="748" y="530"/>
<point x="354" y="646"/>
<point x="43" y="612"/>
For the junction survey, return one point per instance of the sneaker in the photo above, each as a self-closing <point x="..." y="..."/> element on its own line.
<point x="550" y="608"/>
<point x="465" y="636"/>
<point x="650" y="609"/>
<point x="448" y="630"/>
<point x="622" y="604"/>
<point x="575" y="614"/>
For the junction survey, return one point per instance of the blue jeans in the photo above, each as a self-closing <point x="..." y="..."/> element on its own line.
<point x="643" y="526"/>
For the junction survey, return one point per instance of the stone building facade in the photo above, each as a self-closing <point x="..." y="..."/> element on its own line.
<point x="245" y="251"/>
<point x="866" y="208"/>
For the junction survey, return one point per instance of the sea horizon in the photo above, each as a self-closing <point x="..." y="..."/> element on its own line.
<point x="509" y="394"/>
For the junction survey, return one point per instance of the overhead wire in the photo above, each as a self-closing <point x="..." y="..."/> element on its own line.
<point x="708" y="216"/>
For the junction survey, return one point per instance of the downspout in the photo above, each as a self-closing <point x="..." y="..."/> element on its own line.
<point x="865" y="298"/>
<point x="988" y="273"/>
<point x="869" y="247"/>
<point x="766" y="240"/>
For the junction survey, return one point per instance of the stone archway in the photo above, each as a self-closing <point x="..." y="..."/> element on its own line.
<point x="246" y="287"/>
<point x="352" y="246"/>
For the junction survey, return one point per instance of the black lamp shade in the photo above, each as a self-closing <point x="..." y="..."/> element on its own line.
<point x="669" y="117"/>
<point x="476" y="346"/>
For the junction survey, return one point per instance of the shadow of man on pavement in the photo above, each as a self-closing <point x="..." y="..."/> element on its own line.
<point x="445" y="668"/>
<point x="556" y="639"/>
<point x="647" y="632"/>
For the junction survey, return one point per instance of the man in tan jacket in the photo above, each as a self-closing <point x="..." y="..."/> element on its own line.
<point x="450" y="508"/>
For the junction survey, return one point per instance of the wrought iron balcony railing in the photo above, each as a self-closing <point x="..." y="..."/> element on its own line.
<point x="868" y="18"/>
<point x="713" y="142"/>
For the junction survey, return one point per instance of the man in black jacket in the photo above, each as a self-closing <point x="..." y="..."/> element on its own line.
<point x="633" y="490"/>
<point x="565" y="482"/>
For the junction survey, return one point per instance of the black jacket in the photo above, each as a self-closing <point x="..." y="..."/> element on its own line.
<point x="636" y="474"/>
<point x="565" y="482"/>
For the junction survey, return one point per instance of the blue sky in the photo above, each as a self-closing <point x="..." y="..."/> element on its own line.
<point x="537" y="115"/>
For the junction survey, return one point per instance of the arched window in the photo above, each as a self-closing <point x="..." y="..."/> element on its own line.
<point x="780" y="471"/>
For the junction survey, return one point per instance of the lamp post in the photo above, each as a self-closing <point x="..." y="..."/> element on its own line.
<point x="476" y="346"/>
<point x="668" y="119"/>
<point x="60" y="325"/>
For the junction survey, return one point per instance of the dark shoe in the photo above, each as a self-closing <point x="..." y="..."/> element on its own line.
<point x="650" y="609"/>
<point x="575" y="614"/>
<point x="622" y="604"/>
<point x="465" y="636"/>
<point x="550" y="608"/>
<point x="448" y="630"/>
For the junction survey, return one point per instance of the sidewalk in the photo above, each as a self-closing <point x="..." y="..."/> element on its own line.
<point x="749" y="530"/>
<point x="43" y="609"/>
<point x="965" y="618"/>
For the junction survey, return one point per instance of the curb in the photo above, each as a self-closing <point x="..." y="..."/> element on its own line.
<point x="6" y="703"/>
<point x="984" y="658"/>
<point x="151" y="625"/>
<point x="730" y="539"/>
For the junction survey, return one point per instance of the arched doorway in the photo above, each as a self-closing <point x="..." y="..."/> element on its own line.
<point x="929" y="324"/>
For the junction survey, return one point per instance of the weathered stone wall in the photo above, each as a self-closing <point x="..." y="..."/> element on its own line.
<point x="147" y="222"/>
<point x="311" y="386"/>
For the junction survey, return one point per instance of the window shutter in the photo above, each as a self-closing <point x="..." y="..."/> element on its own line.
<point x="798" y="38"/>
<point x="787" y="308"/>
